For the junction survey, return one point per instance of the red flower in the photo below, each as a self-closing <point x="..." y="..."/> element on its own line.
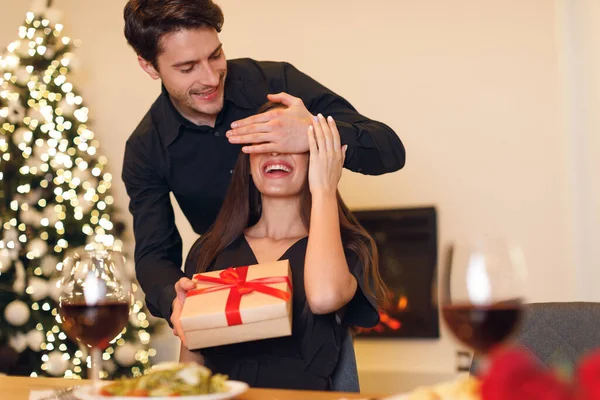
<point x="588" y="378"/>
<point x="515" y="375"/>
<point x="508" y="367"/>
<point x="543" y="386"/>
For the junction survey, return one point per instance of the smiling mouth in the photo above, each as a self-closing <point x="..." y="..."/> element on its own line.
<point x="271" y="168"/>
<point x="277" y="170"/>
<point x="208" y="94"/>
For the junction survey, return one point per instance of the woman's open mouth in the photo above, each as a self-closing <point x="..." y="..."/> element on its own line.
<point x="277" y="169"/>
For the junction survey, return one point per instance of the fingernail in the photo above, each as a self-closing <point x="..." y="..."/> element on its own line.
<point x="310" y="128"/>
<point x="315" y="118"/>
<point x="234" y="125"/>
<point x="330" y="119"/>
<point x="228" y="133"/>
<point x="320" y="115"/>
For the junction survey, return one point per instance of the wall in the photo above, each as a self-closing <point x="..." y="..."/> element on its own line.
<point x="579" y="28"/>
<point x="479" y="91"/>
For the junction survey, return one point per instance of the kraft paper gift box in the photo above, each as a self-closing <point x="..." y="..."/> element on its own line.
<point x="238" y="304"/>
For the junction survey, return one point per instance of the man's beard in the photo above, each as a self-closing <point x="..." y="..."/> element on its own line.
<point x="209" y="109"/>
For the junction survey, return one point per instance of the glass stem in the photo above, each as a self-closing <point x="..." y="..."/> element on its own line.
<point x="482" y="365"/>
<point x="96" y="368"/>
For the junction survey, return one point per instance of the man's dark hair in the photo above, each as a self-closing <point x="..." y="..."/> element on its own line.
<point x="147" y="21"/>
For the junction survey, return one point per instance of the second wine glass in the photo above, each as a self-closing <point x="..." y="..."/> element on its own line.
<point x="482" y="292"/>
<point x="95" y="300"/>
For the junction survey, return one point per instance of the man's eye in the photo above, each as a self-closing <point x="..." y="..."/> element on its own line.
<point x="214" y="57"/>
<point x="187" y="70"/>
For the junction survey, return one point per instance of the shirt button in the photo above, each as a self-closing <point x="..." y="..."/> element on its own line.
<point x="231" y="171"/>
<point x="217" y="134"/>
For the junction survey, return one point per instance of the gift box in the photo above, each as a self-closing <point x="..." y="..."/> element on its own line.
<point x="238" y="305"/>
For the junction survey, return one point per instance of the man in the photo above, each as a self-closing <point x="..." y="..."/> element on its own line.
<point x="189" y="140"/>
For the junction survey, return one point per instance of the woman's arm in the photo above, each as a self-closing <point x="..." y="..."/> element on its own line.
<point x="329" y="285"/>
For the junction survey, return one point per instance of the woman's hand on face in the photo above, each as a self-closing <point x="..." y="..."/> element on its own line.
<point x="327" y="156"/>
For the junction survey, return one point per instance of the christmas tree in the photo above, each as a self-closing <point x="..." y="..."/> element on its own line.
<point x="55" y="196"/>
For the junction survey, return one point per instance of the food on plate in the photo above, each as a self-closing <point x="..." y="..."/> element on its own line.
<point x="464" y="388"/>
<point x="169" y="379"/>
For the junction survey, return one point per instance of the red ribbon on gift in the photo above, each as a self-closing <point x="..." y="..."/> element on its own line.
<point x="235" y="279"/>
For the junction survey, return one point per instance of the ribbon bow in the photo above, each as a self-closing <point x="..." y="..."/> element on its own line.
<point x="235" y="279"/>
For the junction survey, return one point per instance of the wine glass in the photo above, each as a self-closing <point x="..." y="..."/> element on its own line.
<point x="483" y="292"/>
<point x="95" y="300"/>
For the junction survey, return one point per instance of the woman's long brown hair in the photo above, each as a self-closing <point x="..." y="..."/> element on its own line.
<point x="242" y="208"/>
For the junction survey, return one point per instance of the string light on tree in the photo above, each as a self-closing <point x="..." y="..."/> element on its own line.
<point x="55" y="191"/>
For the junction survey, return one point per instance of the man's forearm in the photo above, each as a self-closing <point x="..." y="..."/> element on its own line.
<point x="373" y="147"/>
<point x="157" y="277"/>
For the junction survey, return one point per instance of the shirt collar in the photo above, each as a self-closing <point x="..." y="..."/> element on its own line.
<point x="236" y="92"/>
<point x="167" y="119"/>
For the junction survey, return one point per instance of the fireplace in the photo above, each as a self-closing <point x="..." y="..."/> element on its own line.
<point x="407" y="243"/>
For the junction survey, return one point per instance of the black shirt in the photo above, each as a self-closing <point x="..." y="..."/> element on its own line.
<point x="307" y="358"/>
<point x="169" y="154"/>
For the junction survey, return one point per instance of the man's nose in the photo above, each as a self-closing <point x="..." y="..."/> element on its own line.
<point x="274" y="154"/>
<point x="209" y="77"/>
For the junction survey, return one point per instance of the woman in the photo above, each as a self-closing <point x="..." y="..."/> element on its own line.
<point x="286" y="206"/>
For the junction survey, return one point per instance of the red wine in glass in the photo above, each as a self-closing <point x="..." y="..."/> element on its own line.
<point x="482" y="292"/>
<point x="482" y="327"/>
<point x="95" y="296"/>
<point x="94" y="325"/>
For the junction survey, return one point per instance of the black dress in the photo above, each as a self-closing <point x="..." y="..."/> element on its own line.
<point x="307" y="358"/>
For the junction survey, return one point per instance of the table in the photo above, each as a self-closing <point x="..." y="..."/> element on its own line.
<point x="18" y="388"/>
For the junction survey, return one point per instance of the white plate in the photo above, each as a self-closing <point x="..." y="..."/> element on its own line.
<point x="235" y="389"/>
